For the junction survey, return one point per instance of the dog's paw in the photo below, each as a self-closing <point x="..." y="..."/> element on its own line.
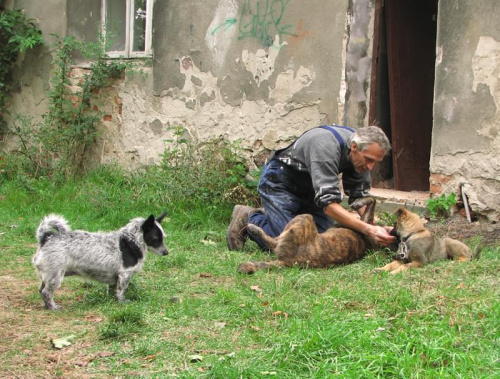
<point x="247" y="268"/>
<point x="54" y="307"/>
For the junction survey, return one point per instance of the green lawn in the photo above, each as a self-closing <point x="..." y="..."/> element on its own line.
<point x="192" y="315"/>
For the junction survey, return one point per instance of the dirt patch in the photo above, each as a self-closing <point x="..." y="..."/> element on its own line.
<point x="458" y="227"/>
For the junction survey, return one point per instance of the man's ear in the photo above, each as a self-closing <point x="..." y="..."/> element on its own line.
<point x="354" y="146"/>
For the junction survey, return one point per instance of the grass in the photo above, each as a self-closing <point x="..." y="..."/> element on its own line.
<point x="191" y="315"/>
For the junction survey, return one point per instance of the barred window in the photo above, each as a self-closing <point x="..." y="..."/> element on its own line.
<point x="128" y="27"/>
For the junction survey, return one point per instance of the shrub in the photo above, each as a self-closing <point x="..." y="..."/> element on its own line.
<point x="441" y="206"/>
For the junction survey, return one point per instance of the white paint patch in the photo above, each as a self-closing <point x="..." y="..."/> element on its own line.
<point x="221" y="30"/>
<point x="288" y="83"/>
<point x="486" y="65"/>
<point x="261" y="64"/>
<point x="486" y="69"/>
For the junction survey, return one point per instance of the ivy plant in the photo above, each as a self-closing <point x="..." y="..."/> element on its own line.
<point x="17" y="34"/>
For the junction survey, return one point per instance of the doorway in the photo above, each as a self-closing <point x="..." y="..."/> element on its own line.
<point x="402" y="89"/>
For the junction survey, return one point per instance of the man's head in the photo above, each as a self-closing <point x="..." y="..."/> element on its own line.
<point x="368" y="146"/>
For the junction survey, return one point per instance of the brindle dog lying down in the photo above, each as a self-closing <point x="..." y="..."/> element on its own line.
<point x="300" y="243"/>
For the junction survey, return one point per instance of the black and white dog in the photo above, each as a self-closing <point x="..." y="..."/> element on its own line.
<point x="111" y="258"/>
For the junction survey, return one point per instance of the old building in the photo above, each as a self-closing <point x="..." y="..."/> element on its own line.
<point x="264" y="71"/>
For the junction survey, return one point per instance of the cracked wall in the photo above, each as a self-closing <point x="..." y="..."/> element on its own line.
<point x="466" y="139"/>
<point x="261" y="72"/>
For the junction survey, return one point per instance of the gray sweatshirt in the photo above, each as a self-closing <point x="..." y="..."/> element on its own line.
<point x="318" y="153"/>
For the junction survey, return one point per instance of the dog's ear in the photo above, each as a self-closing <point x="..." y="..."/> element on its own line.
<point x="149" y="223"/>
<point x="160" y="218"/>
<point x="399" y="212"/>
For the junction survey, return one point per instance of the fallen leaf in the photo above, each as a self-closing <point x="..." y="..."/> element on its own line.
<point x="256" y="328"/>
<point x="255" y="288"/>
<point x="208" y="242"/>
<point x="205" y="275"/>
<point x="150" y="357"/>
<point x="104" y="354"/>
<point x="279" y="313"/>
<point x="59" y="343"/>
<point x="461" y="285"/>
<point x="195" y="358"/>
<point x="220" y="325"/>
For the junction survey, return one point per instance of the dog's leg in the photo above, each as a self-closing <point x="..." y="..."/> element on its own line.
<point x="369" y="202"/>
<point x="47" y="288"/>
<point x="251" y="267"/>
<point x="391" y="266"/>
<point x="258" y="232"/>
<point x="406" y="266"/>
<point x="122" y="285"/>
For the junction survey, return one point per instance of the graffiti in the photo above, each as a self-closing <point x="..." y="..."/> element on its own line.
<point x="261" y="19"/>
<point x="295" y="40"/>
<point x="229" y="22"/>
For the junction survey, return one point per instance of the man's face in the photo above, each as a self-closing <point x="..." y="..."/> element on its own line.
<point x="366" y="159"/>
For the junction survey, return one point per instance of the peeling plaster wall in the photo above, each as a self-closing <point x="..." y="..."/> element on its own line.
<point x="354" y="96"/>
<point x="260" y="71"/>
<point x="466" y="138"/>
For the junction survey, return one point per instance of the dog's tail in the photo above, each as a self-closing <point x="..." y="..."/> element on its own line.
<point x="50" y="225"/>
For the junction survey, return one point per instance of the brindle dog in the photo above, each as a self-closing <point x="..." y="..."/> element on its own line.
<point x="300" y="243"/>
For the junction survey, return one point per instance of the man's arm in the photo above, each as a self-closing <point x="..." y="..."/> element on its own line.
<point x="378" y="234"/>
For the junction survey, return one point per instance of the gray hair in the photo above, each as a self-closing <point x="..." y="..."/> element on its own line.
<point x="368" y="135"/>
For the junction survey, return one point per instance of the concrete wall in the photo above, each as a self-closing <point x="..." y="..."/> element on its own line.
<point x="275" y="71"/>
<point x="466" y="138"/>
<point x="281" y="67"/>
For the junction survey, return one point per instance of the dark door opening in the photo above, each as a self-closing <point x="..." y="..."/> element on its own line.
<point x="402" y="90"/>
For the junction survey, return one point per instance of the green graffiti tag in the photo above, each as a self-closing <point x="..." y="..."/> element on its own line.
<point x="229" y="22"/>
<point x="263" y="20"/>
<point x="260" y="19"/>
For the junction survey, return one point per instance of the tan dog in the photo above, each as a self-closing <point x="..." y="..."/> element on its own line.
<point x="419" y="247"/>
<point x="300" y="243"/>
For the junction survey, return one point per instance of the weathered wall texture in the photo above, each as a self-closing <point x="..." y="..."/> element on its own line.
<point x="263" y="71"/>
<point x="466" y="138"/>
<point x="260" y="71"/>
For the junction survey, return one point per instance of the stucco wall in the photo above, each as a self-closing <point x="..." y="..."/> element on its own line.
<point x="466" y="139"/>
<point x="273" y="71"/>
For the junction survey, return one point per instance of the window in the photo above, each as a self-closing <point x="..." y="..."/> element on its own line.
<point x="128" y="27"/>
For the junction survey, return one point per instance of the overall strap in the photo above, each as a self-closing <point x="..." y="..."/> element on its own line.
<point x="336" y="133"/>
<point x="327" y="127"/>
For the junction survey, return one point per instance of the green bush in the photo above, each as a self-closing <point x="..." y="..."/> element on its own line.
<point x="57" y="146"/>
<point x="17" y="34"/>
<point x="441" y="206"/>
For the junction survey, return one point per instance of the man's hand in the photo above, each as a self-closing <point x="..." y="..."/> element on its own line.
<point x="380" y="235"/>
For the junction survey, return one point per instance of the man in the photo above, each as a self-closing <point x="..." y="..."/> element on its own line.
<point x="304" y="178"/>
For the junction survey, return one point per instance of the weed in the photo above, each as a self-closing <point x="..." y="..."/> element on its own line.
<point x="57" y="146"/>
<point x="209" y="172"/>
<point x="17" y="34"/>
<point x="386" y="218"/>
<point x="440" y="207"/>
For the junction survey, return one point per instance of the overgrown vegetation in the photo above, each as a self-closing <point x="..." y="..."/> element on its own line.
<point x="440" y="207"/>
<point x="17" y="34"/>
<point x="57" y="146"/>
<point x="211" y="172"/>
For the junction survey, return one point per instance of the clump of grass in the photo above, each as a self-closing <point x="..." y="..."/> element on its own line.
<point x="122" y="323"/>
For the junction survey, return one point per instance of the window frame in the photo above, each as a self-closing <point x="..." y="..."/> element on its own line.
<point x="129" y="31"/>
